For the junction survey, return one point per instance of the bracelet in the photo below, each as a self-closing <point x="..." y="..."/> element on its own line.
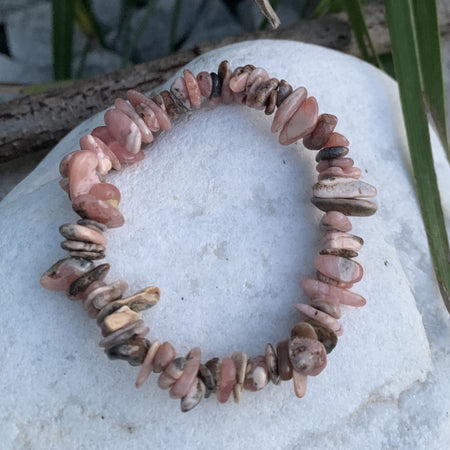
<point x="129" y="128"/>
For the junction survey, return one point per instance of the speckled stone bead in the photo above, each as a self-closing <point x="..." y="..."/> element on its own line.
<point x="147" y="364"/>
<point x="284" y="364"/>
<point x="331" y="153"/>
<point x="123" y="129"/>
<point x="101" y="296"/>
<point x="80" y="284"/>
<point x="284" y="90"/>
<point x="272" y="363"/>
<point x="240" y="361"/>
<point x="303" y="329"/>
<point x="194" y="396"/>
<point x="164" y="356"/>
<point x="195" y="96"/>
<point x="224" y="73"/>
<point x="207" y="378"/>
<point x="180" y="94"/>
<point x="326" y="336"/>
<point x="257" y="375"/>
<point x="94" y="225"/>
<point x="288" y="108"/>
<point x="227" y="380"/>
<point x="334" y="220"/>
<point x="347" y="206"/>
<point x="271" y="103"/>
<point x="119" y="319"/>
<point x="337" y="140"/>
<point x="307" y="356"/>
<point x="171" y="107"/>
<point x="330" y="308"/>
<point x="133" y="351"/>
<point x="319" y="316"/>
<point x="326" y="123"/>
<point x="205" y="84"/>
<point x="64" y="272"/>
<point x="132" y="330"/>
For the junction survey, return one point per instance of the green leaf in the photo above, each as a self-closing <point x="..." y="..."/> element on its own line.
<point x="359" y="26"/>
<point x="406" y="62"/>
<point x="63" y="17"/>
<point x="429" y="46"/>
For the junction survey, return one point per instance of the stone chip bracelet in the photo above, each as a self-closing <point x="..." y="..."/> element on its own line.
<point x="129" y="128"/>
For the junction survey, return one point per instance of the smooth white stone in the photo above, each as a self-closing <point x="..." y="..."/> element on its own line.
<point x="218" y="216"/>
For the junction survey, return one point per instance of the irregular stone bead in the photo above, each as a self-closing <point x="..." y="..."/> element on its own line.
<point x="157" y="98"/>
<point x="326" y="123"/>
<point x="132" y="330"/>
<point x="148" y="116"/>
<point x="284" y="364"/>
<point x="250" y="98"/>
<point x="271" y="103"/>
<point x="334" y="220"/>
<point x="352" y="172"/>
<point x="188" y="377"/>
<point x="64" y="272"/>
<point x="64" y="183"/>
<point x="195" y="97"/>
<point x="255" y="75"/>
<point x="142" y="300"/>
<point x="272" y="363"/>
<point x="303" y="329"/>
<point x="338" y="268"/>
<point x="327" y="307"/>
<point x="315" y="289"/>
<point x="137" y="98"/>
<point x="147" y="363"/>
<point x="214" y="365"/>
<point x="164" y="356"/>
<point x="288" y="108"/>
<point x="339" y="252"/>
<point x="337" y="162"/>
<point x="300" y="382"/>
<point x="342" y="284"/>
<point x="215" y="91"/>
<point x="93" y="225"/>
<point x="326" y="336"/>
<point x="257" y="375"/>
<point x="123" y="129"/>
<point x="82" y="246"/>
<point x="64" y="164"/>
<point x="206" y="377"/>
<point x="108" y="152"/>
<point x="119" y="319"/>
<point x="80" y="284"/>
<point x="92" y="312"/>
<point x="301" y="123"/>
<point x="321" y="317"/>
<point x="82" y="173"/>
<point x="107" y="192"/>
<point x="87" y="255"/>
<point x="240" y="362"/>
<point x="133" y="351"/>
<point x="127" y="109"/>
<point x="87" y="143"/>
<point x="194" y="396"/>
<point x="263" y="91"/>
<point x="89" y="207"/>
<point x="102" y="134"/>
<point x="224" y="73"/>
<point x="307" y="356"/>
<point x="331" y="172"/>
<point x="180" y="93"/>
<point x="347" y="206"/>
<point x="169" y="103"/>
<point x="107" y="294"/>
<point x="338" y="240"/>
<point x="227" y="380"/>
<point x="123" y="155"/>
<point x="337" y="140"/>
<point x="284" y="90"/>
<point x="329" y="153"/>
<point x="239" y="82"/>
<point x="172" y="373"/>
<point x="205" y="83"/>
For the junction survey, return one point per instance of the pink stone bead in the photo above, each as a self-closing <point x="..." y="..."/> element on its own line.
<point x="288" y="108"/>
<point x="123" y="129"/>
<point x="123" y="155"/>
<point x="257" y="374"/>
<point x="251" y="93"/>
<point x="337" y="162"/>
<point x="307" y="356"/>
<point x="238" y="83"/>
<point x="136" y="98"/>
<point x="339" y="268"/>
<point x="301" y="123"/>
<point x="64" y="272"/>
<point x="84" y="294"/>
<point x="126" y="108"/>
<point x="204" y="81"/>
<point x="337" y="239"/>
<point x="259" y="72"/>
<point x="64" y="164"/>
<point x="343" y="187"/>
<point x="76" y="232"/>
<point x="148" y="116"/>
<point x="89" y="207"/>
<point x="88" y="142"/>
<point x="184" y="383"/>
<point x="64" y="183"/>
<point x="164" y="356"/>
<point x="108" y="152"/>
<point x="179" y="91"/>
<point x="103" y="134"/>
<point x="326" y="123"/>
<point x="352" y="172"/>
<point x="321" y="317"/>
<point x="195" y="96"/>
<point x="227" y="380"/>
<point x="147" y="364"/>
<point x="300" y="382"/>
<point x="320" y="276"/>
<point x="337" y="140"/>
<point x="105" y="191"/>
<point x="317" y="289"/>
<point x="335" y="220"/>
<point x="82" y="173"/>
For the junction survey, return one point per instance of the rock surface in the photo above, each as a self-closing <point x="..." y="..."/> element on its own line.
<point x="218" y="216"/>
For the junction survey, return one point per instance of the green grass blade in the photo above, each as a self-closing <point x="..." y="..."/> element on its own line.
<point x="429" y="45"/>
<point x="325" y="7"/>
<point x="359" y="26"/>
<point x="174" y="24"/>
<point x="406" y="63"/>
<point x="63" y="17"/>
<point x="88" y="23"/>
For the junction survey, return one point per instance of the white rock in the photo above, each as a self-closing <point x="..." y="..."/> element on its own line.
<point x="218" y="216"/>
